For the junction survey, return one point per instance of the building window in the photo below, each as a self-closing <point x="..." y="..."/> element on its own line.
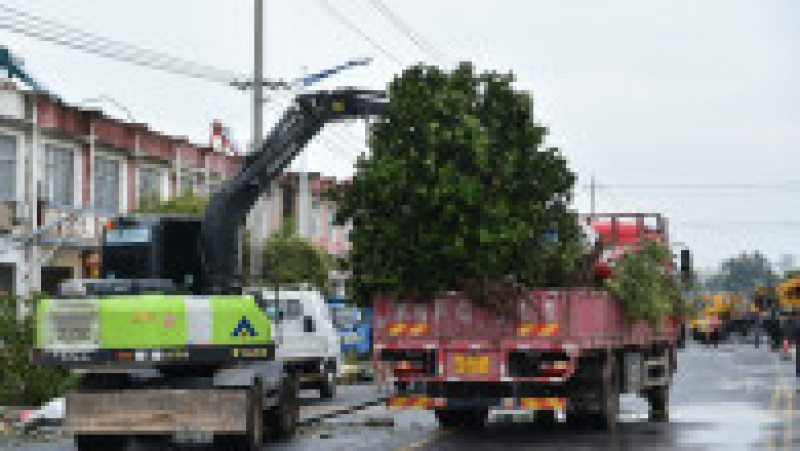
<point x="150" y="183"/>
<point x="8" y="167"/>
<point x="52" y="276"/>
<point x="107" y="184"/>
<point x="60" y="175"/>
<point x="349" y="230"/>
<point x="315" y="217"/>
<point x="331" y="218"/>
<point x="289" y="197"/>
<point x="214" y="181"/>
<point x="191" y="182"/>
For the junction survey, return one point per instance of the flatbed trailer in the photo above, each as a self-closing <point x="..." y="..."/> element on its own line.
<point x="567" y="349"/>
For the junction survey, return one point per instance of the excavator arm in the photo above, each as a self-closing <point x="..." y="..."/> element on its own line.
<point x="229" y="205"/>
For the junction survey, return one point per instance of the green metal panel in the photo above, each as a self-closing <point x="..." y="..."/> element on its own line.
<point x="41" y="313"/>
<point x="158" y="321"/>
<point x="144" y="321"/>
<point x="233" y="315"/>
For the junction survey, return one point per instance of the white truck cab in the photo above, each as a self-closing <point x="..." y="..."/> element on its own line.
<point x="304" y="334"/>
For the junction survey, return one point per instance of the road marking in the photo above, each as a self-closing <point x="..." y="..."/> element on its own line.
<point x="782" y="392"/>
<point x="324" y="412"/>
<point x="426" y="441"/>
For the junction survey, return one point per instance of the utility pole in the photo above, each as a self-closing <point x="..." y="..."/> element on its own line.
<point x="258" y="73"/>
<point x="32" y="271"/>
<point x="591" y="192"/>
<point x="258" y="124"/>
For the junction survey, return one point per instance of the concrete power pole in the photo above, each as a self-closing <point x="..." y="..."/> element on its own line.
<point x="31" y="274"/>
<point x="258" y="122"/>
<point x="591" y="190"/>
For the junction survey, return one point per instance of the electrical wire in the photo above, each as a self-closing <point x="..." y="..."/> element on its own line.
<point x="110" y="55"/>
<point x="723" y="225"/>
<point x="56" y="33"/>
<point x="84" y="37"/>
<point x="420" y="42"/>
<point x="783" y="184"/>
<point x="355" y="29"/>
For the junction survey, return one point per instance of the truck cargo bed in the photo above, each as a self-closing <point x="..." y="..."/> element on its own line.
<point x="571" y="321"/>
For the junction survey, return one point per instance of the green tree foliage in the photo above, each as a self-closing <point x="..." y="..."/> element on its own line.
<point x="641" y="284"/>
<point x="289" y="259"/>
<point x="21" y="382"/>
<point x="458" y="192"/>
<point x="187" y="203"/>
<point x="742" y="273"/>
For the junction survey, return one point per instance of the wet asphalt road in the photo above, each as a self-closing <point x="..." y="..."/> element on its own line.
<point x="734" y="397"/>
<point x="729" y="398"/>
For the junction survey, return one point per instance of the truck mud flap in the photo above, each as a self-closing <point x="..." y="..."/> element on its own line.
<point x="157" y="411"/>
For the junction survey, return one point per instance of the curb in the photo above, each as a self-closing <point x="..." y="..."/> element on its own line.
<point x="343" y="411"/>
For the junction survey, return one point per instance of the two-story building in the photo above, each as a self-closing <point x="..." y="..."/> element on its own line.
<point x="64" y="170"/>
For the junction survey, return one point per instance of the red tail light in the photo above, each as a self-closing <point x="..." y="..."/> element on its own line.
<point x="556" y="368"/>
<point x="405" y="368"/>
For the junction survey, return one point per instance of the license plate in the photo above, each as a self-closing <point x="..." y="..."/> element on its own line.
<point x="471" y="364"/>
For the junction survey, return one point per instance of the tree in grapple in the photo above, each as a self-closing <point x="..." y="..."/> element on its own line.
<point x="459" y="193"/>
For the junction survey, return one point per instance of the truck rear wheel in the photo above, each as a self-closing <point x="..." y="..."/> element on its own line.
<point x="470" y="419"/>
<point x="327" y="387"/>
<point x="606" y="418"/>
<point x="280" y="421"/>
<point x="99" y="442"/>
<point x="658" y="398"/>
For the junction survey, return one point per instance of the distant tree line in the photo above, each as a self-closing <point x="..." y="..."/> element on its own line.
<point x="742" y="273"/>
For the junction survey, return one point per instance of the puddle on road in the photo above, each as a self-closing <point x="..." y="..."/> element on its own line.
<point x="729" y="425"/>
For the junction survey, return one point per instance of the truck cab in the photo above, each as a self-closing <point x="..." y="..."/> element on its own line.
<point x="304" y="332"/>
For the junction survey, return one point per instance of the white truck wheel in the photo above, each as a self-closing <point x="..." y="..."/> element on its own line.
<point x="327" y="388"/>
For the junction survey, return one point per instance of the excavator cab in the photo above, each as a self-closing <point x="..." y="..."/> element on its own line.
<point x="154" y="248"/>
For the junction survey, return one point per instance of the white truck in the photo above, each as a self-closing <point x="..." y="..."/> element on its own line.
<point x="307" y="341"/>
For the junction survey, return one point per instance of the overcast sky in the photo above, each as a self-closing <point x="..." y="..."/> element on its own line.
<point x="675" y="93"/>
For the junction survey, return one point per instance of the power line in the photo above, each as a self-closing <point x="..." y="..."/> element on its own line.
<point x="65" y="31"/>
<point x="355" y="29"/>
<point x="57" y="33"/>
<point x="414" y="37"/>
<point x="111" y="55"/>
<point x="784" y="184"/>
<point x="715" y="225"/>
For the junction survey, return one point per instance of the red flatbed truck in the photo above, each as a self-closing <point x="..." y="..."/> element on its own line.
<point x="570" y="350"/>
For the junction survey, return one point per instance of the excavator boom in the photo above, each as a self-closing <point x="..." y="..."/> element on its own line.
<point x="229" y="206"/>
